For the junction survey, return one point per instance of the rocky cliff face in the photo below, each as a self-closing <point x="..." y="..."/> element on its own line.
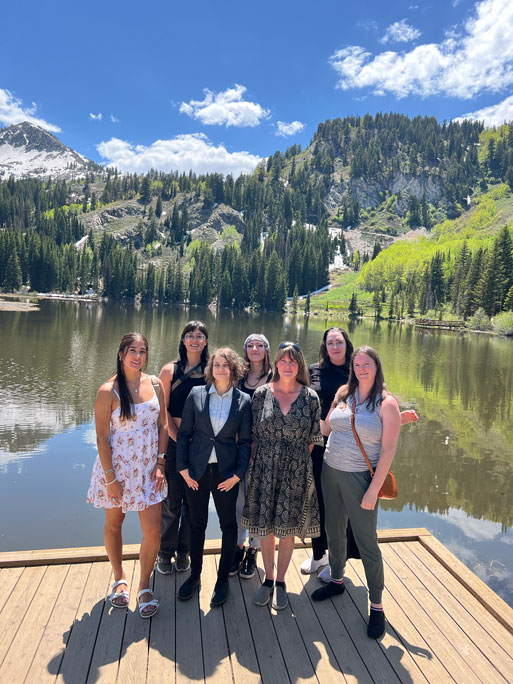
<point x="28" y="151"/>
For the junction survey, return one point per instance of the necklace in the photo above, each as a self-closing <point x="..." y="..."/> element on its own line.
<point x="132" y="388"/>
<point x="248" y="384"/>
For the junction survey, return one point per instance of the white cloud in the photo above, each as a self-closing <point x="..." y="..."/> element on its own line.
<point x="400" y="32"/>
<point x="480" y="60"/>
<point x="96" y="117"/>
<point x="286" y="129"/>
<point x="494" y="115"/>
<point x="226" y="108"/>
<point x="12" y="111"/>
<point x="113" y="119"/>
<point x="182" y="153"/>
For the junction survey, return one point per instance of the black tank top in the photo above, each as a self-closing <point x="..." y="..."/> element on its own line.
<point x="178" y="396"/>
<point x="251" y="390"/>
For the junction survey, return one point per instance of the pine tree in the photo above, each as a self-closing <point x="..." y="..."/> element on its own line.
<point x="158" y="208"/>
<point x="353" y="306"/>
<point x="294" y="299"/>
<point x="12" y="279"/>
<point x="307" y="303"/>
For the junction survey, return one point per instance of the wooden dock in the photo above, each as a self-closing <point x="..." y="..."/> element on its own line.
<point x="444" y="624"/>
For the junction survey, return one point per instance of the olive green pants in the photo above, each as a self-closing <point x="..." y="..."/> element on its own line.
<point x="343" y="493"/>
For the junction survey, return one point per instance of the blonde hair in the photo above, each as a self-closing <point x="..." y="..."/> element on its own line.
<point x="236" y="363"/>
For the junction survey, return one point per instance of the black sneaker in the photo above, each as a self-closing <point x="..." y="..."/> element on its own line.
<point x="221" y="591"/>
<point x="376" y="626"/>
<point x="182" y="562"/>
<point x="164" y="565"/>
<point x="237" y="561"/>
<point x="248" y="568"/>
<point x="328" y="590"/>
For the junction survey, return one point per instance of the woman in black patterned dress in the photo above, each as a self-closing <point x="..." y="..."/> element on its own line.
<point x="280" y="496"/>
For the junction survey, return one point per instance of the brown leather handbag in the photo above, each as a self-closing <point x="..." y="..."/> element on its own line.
<point x="389" y="487"/>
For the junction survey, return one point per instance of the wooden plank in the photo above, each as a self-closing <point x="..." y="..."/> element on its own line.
<point x="240" y="640"/>
<point x="423" y="613"/>
<point x="161" y="656"/>
<point x="17" y="606"/>
<point x="92" y="554"/>
<point x="399" y="659"/>
<point x="216" y="657"/>
<point x="408" y="637"/>
<point x="50" y="651"/>
<point x="105" y="657"/>
<point x="450" y="617"/>
<point x="296" y="657"/>
<point x="8" y="579"/>
<point x="268" y="652"/>
<point x="348" y="658"/>
<point x="316" y="642"/>
<point x="493" y="627"/>
<point x="133" y="664"/>
<point x="14" y="668"/>
<point x="497" y="607"/>
<point x="456" y="605"/>
<point x="79" y="650"/>
<point x="189" y="660"/>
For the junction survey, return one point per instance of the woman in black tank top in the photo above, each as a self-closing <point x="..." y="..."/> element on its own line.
<point x="178" y="378"/>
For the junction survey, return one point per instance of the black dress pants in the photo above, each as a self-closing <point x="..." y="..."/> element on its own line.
<point x="225" y="503"/>
<point x="319" y="544"/>
<point x="175" y="512"/>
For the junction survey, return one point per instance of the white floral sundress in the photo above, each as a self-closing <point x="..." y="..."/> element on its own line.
<point x="134" y="454"/>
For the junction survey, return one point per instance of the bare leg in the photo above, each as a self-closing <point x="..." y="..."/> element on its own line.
<point x="150" y="520"/>
<point x="285" y="549"/>
<point x="267" y="545"/>
<point x="114" y="546"/>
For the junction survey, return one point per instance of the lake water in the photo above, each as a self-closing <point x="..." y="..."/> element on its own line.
<point x="454" y="468"/>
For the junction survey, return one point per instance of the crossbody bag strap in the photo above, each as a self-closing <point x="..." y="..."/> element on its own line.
<point x="358" y="439"/>
<point x="184" y="376"/>
<point x="156" y="385"/>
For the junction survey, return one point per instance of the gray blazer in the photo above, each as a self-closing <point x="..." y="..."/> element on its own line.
<point x="196" y="436"/>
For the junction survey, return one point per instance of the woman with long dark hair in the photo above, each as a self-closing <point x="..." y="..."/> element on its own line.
<point x="280" y="496"/>
<point x="214" y="444"/>
<point x="258" y="373"/>
<point x="362" y="407"/>
<point x="128" y="474"/>
<point x="178" y="378"/>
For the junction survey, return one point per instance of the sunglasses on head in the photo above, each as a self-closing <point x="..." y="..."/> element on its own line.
<point x="295" y="346"/>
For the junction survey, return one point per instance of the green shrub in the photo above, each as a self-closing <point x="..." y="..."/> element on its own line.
<point x="480" y="321"/>
<point x="503" y="323"/>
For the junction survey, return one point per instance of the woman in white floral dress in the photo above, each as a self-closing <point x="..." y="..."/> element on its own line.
<point x="128" y="474"/>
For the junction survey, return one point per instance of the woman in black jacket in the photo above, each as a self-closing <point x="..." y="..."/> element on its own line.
<point x="213" y="449"/>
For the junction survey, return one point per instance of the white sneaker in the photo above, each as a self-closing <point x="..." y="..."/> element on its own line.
<point x="325" y="575"/>
<point x="310" y="565"/>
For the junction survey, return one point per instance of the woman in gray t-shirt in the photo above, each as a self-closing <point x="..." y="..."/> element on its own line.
<point x="349" y="490"/>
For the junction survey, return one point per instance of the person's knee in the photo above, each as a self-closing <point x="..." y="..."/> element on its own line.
<point x="113" y="527"/>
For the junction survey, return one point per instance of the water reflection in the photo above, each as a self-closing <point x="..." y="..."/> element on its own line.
<point x="458" y="458"/>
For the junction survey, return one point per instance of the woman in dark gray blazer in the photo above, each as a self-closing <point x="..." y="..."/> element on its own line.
<point x="213" y="449"/>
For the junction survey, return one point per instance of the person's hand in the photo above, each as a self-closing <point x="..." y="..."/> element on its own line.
<point x="158" y="477"/>
<point x="369" y="500"/>
<point x="226" y="485"/>
<point x="325" y="428"/>
<point x="409" y="416"/>
<point x="192" y="484"/>
<point x="115" y="493"/>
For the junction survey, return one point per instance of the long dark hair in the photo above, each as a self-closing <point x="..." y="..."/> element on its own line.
<point x="378" y="391"/>
<point x="324" y="357"/>
<point x="182" y="351"/>
<point x="127" y="411"/>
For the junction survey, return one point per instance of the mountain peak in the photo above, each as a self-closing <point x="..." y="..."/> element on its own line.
<point x="27" y="150"/>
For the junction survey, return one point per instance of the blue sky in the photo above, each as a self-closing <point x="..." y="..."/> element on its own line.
<point x="216" y="86"/>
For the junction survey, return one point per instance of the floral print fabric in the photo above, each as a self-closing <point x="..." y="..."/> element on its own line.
<point x="134" y="455"/>
<point x="280" y="494"/>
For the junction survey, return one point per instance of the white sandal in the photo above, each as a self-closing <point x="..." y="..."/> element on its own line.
<point x="119" y="594"/>
<point x="143" y="605"/>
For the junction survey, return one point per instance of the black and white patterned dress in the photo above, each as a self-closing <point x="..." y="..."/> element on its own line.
<point x="280" y="493"/>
